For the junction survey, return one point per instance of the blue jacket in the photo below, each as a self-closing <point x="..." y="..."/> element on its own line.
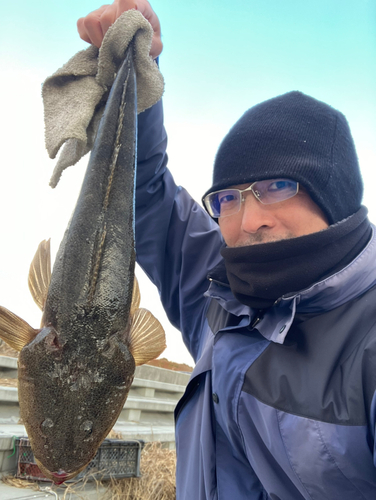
<point x="278" y="407"/>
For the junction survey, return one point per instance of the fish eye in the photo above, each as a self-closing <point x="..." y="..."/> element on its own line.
<point x="87" y="426"/>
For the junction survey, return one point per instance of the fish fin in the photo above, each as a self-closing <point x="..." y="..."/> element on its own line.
<point x="147" y="337"/>
<point x="40" y="274"/>
<point x="136" y="297"/>
<point x="14" y="330"/>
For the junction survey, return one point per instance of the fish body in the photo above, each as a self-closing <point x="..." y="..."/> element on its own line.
<point x="75" y="372"/>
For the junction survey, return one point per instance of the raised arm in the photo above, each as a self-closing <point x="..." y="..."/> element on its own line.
<point x="176" y="241"/>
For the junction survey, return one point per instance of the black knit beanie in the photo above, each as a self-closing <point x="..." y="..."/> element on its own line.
<point x="298" y="137"/>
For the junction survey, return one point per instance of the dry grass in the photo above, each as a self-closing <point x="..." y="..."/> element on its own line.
<point x="114" y="435"/>
<point x="8" y="382"/>
<point x="157" y="481"/>
<point x="64" y="492"/>
<point x="5" y="350"/>
<point x="170" y="365"/>
<point x="19" y="483"/>
<point x="78" y="489"/>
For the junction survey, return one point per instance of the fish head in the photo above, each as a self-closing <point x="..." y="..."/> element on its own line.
<point x="70" y="397"/>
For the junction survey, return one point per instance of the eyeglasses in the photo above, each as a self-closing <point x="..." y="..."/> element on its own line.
<point x="228" y="201"/>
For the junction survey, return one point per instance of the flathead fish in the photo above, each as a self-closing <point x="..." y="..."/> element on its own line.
<point x="75" y="371"/>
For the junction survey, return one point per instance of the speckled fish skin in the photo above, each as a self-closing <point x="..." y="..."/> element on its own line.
<point x="75" y="375"/>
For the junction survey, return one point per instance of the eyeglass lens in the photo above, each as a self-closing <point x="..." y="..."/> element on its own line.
<point x="228" y="201"/>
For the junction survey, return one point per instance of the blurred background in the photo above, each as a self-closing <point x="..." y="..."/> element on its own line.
<point x="219" y="59"/>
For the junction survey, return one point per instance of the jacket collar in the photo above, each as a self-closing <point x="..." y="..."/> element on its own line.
<point x="335" y="290"/>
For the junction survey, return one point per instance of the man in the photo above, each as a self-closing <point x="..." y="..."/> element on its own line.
<point x="281" y="403"/>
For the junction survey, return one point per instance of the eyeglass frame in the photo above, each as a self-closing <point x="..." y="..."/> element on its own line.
<point x="242" y="199"/>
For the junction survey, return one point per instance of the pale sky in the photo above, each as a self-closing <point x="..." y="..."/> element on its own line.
<point x="219" y="59"/>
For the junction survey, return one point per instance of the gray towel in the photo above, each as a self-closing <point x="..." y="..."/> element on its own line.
<point x="74" y="97"/>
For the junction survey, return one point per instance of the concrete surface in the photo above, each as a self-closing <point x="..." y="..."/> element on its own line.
<point x="90" y="492"/>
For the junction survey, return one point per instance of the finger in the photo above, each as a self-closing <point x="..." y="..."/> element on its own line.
<point x="107" y="18"/>
<point x="81" y="30"/>
<point x="156" y="47"/>
<point x="146" y="10"/>
<point x="123" y="5"/>
<point x="89" y="27"/>
<point x="94" y="31"/>
<point x="112" y="12"/>
<point x="144" y="7"/>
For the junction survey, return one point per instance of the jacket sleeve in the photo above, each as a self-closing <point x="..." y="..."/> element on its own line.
<point x="176" y="240"/>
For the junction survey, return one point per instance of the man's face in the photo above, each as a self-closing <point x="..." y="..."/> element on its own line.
<point x="257" y="223"/>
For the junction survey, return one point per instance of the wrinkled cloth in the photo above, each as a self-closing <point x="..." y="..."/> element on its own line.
<point x="75" y="95"/>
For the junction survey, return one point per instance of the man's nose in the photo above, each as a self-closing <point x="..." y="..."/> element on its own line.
<point x="255" y="215"/>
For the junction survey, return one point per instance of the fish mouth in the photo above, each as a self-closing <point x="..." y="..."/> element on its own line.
<point x="60" y="476"/>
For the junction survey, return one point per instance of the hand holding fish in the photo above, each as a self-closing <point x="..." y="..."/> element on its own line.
<point x="94" y="26"/>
